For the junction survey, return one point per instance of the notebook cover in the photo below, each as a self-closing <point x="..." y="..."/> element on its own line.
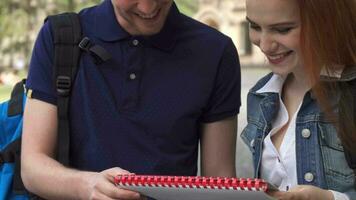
<point x="195" y="187"/>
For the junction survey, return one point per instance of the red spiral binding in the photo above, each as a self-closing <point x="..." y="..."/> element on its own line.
<point x="199" y="182"/>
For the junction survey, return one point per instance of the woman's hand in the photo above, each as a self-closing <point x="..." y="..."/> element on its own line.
<point x="303" y="192"/>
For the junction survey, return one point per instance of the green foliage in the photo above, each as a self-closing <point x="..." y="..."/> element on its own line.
<point x="188" y="7"/>
<point x="5" y="93"/>
<point x="74" y="5"/>
<point x="20" y="21"/>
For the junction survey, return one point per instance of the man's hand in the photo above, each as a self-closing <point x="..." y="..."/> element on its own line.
<point x="101" y="186"/>
<point x="303" y="192"/>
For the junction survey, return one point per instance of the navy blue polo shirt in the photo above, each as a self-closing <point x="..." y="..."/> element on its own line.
<point x="142" y="110"/>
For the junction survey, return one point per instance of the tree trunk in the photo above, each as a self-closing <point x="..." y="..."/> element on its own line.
<point x="71" y="5"/>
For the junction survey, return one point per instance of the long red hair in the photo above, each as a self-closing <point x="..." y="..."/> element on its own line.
<point x="328" y="41"/>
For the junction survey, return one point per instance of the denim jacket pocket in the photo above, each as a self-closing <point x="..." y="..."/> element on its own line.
<point x="338" y="175"/>
<point x="248" y="135"/>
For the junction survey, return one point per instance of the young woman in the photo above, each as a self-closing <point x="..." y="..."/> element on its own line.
<point x="301" y="117"/>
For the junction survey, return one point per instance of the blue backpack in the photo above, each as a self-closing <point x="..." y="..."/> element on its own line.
<point x="68" y="45"/>
<point x="10" y="134"/>
<point x="66" y="35"/>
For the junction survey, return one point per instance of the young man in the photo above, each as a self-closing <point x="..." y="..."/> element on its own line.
<point x="171" y="82"/>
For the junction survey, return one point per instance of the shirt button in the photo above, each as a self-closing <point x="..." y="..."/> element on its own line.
<point x="135" y="42"/>
<point x="306" y="133"/>
<point x="308" y="177"/>
<point x="132" y="76"/>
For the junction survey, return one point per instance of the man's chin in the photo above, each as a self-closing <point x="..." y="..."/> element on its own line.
<point x="149" y="32"/>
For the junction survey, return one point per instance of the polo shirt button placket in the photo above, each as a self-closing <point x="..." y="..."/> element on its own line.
<point x="135" y="42"/>
<point x="132" y="76"/>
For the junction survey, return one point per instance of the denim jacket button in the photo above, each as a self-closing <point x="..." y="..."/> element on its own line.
<point x="308" y="177"/>
<point x="306" y="133"/>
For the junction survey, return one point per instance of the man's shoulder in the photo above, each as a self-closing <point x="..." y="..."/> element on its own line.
<point x="88" y="10"/>
<point x="88" y="15"/>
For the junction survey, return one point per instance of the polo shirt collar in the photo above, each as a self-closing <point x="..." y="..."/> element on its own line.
<point x="166" y="38"/>
<point x="108" y="29"/>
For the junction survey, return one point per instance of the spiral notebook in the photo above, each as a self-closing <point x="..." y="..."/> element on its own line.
<point x="195" y="187"/>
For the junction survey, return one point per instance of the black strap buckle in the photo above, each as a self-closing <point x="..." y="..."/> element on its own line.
<point x="98" y="53"/>
<point x="85" y="44"/>
<point x="64" y="83"/>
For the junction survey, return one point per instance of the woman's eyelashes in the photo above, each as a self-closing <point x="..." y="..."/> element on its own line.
<point x="254" y="26"/>
<point x="280" y="30"/>
<point x="283" y="30"/>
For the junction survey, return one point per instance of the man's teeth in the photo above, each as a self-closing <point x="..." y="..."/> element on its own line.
<point x="148" y="16"/>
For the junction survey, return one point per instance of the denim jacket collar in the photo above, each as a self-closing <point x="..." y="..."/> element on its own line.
<point x="274" y="85"/>
<point x="347" y="74"/>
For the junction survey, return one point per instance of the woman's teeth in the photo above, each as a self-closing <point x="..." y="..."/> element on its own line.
<point x="278" y="56"/>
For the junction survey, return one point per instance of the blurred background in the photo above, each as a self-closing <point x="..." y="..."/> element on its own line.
<point x="20" y="21"/>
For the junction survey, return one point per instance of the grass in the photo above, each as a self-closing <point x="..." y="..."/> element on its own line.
<point x="5" y="92"/>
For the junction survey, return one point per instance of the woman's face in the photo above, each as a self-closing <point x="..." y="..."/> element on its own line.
<point x="275" y="29"/>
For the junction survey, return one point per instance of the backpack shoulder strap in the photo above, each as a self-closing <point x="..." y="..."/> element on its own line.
<point x="67" y="35"/>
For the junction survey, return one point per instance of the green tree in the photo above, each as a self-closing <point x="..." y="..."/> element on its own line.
<point x="73" y="5"/>
<point x="188" y="7"/>
<point x="18" y="19"/>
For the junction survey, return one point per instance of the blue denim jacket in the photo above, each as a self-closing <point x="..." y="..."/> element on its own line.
<point x="319" y="152"/>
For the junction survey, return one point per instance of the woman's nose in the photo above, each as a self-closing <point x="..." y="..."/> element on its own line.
<point x="267" y="44"/>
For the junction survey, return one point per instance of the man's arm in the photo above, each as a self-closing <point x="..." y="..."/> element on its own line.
<point x="49" y="179"/>
<point x="218" y="147"/>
